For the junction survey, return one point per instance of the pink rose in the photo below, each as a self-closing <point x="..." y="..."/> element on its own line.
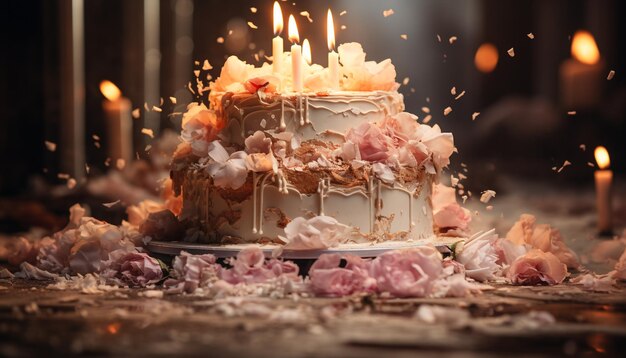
<point x="190" y="272"/>
<point x="440" y="145"/>
<point x="328" y="279"/>
<point x="374" y="146"/>
<point x="537" y="267"/>
<point x="407" y="272"/>
<point x="250" y="267"/>
<point x="319" y="232"/>
<point x="136" y="269"/>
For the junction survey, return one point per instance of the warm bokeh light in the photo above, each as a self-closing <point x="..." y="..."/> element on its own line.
<point x="278" y="19"/>
<point x="306" y="51"/>
<point x="486" y="58"/>
<point x="294" y="36"/>
<point x="584" y="48"/>
<point x="602" y="157"/>
<point x="110" y="90"/>
<point x="330" y="31"/>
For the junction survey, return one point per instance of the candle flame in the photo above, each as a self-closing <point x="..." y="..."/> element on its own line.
<point x="306" y="51"/>
<point x="584" y="48"/>
<point x="110" y="90"/>
<point x="486" y="58"/>
<point x="278" y="19"/>
<point x="330" y="31"/>
<point x="294" y="36"/>
<point x="602" y="157"/>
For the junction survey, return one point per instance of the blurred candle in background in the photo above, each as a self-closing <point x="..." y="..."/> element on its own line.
<point x="333" y="57"/>
<point x="296" y="55"/>
<point x="604" y="178"/>
<point x="277" y="42"/>
<point x="306" y="52"/>
<point x="582" y="76"/>
<point x="119" y="123"/>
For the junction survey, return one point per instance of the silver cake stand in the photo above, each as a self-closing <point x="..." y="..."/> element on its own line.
<point x="174" y="248"/>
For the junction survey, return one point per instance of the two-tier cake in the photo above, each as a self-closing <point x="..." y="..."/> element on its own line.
<point x="260" y="163"/>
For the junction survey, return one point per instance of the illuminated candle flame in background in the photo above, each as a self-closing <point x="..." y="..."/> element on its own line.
<point x="306" y="51"/>
<point x="602" y="157"/>
<point x="584" y="48"/>
<point x="110" y="90"/>
<point x="278" y="19"/>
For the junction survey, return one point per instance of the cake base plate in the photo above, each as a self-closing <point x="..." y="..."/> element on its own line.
<point x="173" y="248"/>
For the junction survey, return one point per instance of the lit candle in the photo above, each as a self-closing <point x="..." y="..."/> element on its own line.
<point x="296" y="56"/>
<point x="306" y="52"/>
<point x="333" y="57"/>
<point x="277" y="42"/>
<point x="604" y="177"/>
<point x="119" y="123"/>
<point x="582" y="75"/>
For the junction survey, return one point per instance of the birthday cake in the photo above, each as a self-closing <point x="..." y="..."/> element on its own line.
<point x="308" y="169"/>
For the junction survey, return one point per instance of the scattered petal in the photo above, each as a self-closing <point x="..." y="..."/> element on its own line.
<point x="460" y="95"/>
<point x="404" y="36"/>
<point x="387" y="13"/>
<point x="50" y="146"/>
<point x="511" y="52"/>
<point x="136" y="113"/>
<point x="487" y="195"/>
<point x="253" y="10"/>
<point x="571" y="113"/>
<point x="452" y="39"/>
<point x="610" y="75"/>
<point x="447" y="111"/>
<point x="307" y="15"/>
<point x="173" y="100"/>
<point x="252" y="25"/>
<point x="111" y="204"/>
<point x="147" y="131"/>
<point x="530" y="35"/>
<point x="220" y="40"/>
<point x="206" y="65"/>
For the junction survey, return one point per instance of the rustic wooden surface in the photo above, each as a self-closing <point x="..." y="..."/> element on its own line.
<point x="35" y="320"/>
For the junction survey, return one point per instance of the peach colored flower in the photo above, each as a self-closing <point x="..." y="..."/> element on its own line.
<point x="537" y="267"/>
<point x="328" y="279"/>
<point x="447" y="213"/>
<point x="200" y="126"/>
<point x="234" y="73"/>
<point x="137" y="214"/>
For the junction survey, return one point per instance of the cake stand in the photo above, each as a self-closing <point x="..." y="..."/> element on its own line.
<point x="173" y="248"/>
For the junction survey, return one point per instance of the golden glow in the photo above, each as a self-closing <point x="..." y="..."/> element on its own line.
<point x="330" y="31"/>
<point x="110" y="90"/>
<point x="278" y="19"/>
<point x="584" y="48"/>
<point x="486" y="58"/>
<point x="602" y="157"/>
<point x="294" y="36"/>
<point x="306" y="51"/>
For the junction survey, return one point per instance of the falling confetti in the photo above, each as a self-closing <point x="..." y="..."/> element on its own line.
<point x="452" y="39"/>
<point x="253" y="10"/>
<point x="173" y="100"/>
<point x="425" y="109"/>
<point x="343" y="13"/>
<point x="610" y="75"/>
<point x="252" y="25"/>
<point x="120" y="164"/>
<point x="475" y="115"/>
<point x="571" y="113"/>
<point x="427" y="119"/>
<point x="583" y="147"/>
<point x="530" y="35"/>
<point x="147" y="131"/>
<point x="453" y="91"/>
<point x="157" y="109"/>
<point x="565" y="164"/>
<point x="404" y="36"/>
<point x="50" y="146"/>
<point x="487" y="195"/>
<point x="220" y="40"/>
<point x="438" y="38"/>
<point x="71" y="183"/>
<point x="111" y="204"/>
<point x="447" y="111"/>
<point x="511" y="52"/>
<point x="387" y="13"/>
<point x="63" y="176"/>
<point x="136" y="113"/>
<point x="460" y="95"/>
<point x="307" y="15"/>
<point x="405" y="81"/>
<point x="206" y="65"/>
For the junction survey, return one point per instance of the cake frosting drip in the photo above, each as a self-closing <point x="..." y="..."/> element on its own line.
<point x="308" y="115"/>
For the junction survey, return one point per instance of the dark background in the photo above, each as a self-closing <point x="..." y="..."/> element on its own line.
<point x="522" y="92"/>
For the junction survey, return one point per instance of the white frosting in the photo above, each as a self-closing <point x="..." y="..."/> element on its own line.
<point x="309" y="116"/>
